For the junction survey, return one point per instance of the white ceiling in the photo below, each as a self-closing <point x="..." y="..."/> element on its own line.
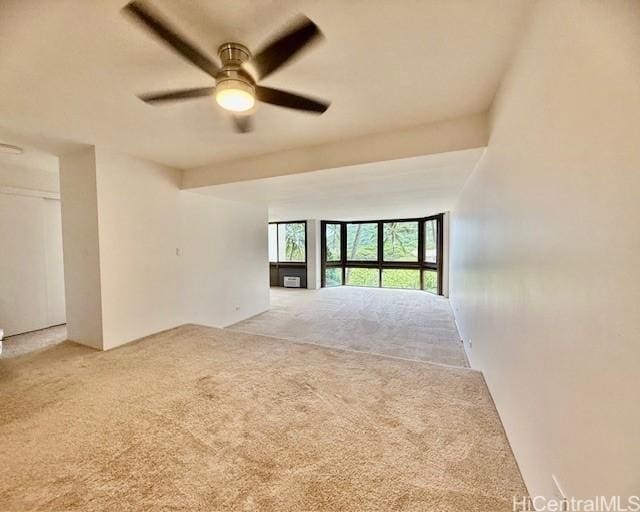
<point x="33" y="155"/>
<point x="410" y="187"/>
<point x="71" y="69"/>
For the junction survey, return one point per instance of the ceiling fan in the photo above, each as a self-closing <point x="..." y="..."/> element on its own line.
<point x="236" y="89"/>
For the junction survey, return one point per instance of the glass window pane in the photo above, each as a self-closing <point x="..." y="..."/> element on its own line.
<point x="332" y="234"/>
<point x="362" y="242"/>
<point x="291" y="242"/>
<point x="431" y="241"/>
<point x="400" y="241"/>
<point x="362" y="276"/>
<point x="333" y="276"/>
<point x="273" y="242"/>
<point x="430" y="281"/>
<point x="401" y="278"/>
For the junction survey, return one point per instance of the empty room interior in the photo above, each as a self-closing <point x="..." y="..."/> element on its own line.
<point x="320" y="255"/>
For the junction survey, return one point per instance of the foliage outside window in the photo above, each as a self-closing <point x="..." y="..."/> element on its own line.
<point x="431" y="241"/>
<point x="332" y="234"/>
<point x="287" y="242"/>
<point x="407" y="278"/>
<point x="430" y="281"/>
<point x="400" y="241"/>
<point x="362" y="276"/>
<point x="333" y="276"/>
<point x="362" y="242"/>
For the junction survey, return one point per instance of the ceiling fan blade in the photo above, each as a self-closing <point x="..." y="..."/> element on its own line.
<point x="283" y="48"/>
<point x="291" y="100"/>
<point x="162" y="29"/>
<point x="180" y="94"/>
<point x="242" y="124"/>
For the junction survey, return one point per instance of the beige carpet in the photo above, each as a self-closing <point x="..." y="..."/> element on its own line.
<point x="19" y="344"/>
<point x="400" y="323"/>
<point x="207" y="419"/>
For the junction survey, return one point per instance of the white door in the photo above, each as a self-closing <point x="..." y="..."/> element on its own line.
<point x="23" y="305"/>
<point x="31" y="268"/>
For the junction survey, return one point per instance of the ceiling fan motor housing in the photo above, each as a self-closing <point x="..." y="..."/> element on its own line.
<point x="233" y="55"/>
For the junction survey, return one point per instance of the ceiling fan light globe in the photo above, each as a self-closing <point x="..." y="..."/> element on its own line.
<point x="235" y="95"/>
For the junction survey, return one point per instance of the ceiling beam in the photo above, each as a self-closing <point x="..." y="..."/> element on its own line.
<point x="456" y="134"/>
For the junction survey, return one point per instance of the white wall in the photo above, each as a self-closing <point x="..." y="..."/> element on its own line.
<point x="139" y="232"/>
<point x="314" y="256"/>
<point x="31" y="272"/>
<point x="159" y="257"/>
<point x="224" y="258"/>
<point x="53" y="261"/>
<point x="545" y="277"/>
<point x="79" y="196"/>
<point x="29" y="178"/>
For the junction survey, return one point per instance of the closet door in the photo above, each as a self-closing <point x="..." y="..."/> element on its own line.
<point x="23" y="298"/>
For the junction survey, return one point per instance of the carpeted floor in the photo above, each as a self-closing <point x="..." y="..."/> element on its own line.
<point x="207" y="419"/>
<point x="19" y="344"/>
<point x="400" y="323"/>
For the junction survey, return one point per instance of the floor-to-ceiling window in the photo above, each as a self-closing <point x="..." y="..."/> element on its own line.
<point x="332" y="254"/>
<point x="400" y="253"/>
<point x="288" y="252"/>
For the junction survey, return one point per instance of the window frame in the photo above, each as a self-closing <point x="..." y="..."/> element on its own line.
<point x="323" y="253"/>
<point x="421" y="225"/>
<point x="306" y="244"/>
<point x="380" y="263"/>
<point x="275" y="224"/>
<point x="324" y="245"/>
<point x="275" y="266"/>
<point x="344" y="231"/>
